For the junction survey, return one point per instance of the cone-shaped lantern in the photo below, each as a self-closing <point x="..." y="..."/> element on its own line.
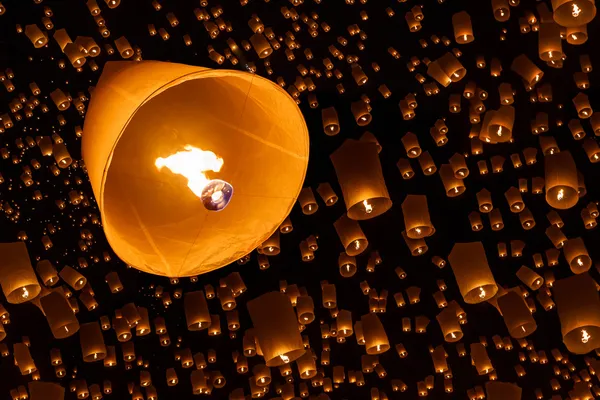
<point x="473" y="275"/>
<point x="578" y="306"/>
<point x="19" y="282"/>
<point x="276" y="328"/>
<point x="197" y="134"/>
<point x="359" y="172"/>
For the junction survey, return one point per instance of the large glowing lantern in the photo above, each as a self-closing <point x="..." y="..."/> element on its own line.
<point x="192" y="168"/>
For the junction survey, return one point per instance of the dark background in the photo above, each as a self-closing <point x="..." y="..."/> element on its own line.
<point x="449" y="215"/>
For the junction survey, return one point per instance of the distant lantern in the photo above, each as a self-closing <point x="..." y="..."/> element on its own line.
<point x="360" y="111"/>
<point x="524" y="67"/>
<point x="347" y="265"/>
<point x="463" y="30"/>
<point x="480" y="359"/>
<point x="36" y="36"/>
<point x="23" y="359"/>
<point x="307" y="201"/>
<point x="582" y="105"/>
<point x="63" y="323"/>
<point x="327" y="194"/>
<point x="561" y="180"/>
<point x="549" y="42"/>
<point x="516" y="314"/>
<point x="331" y="124"/>
<point x="178" y="219"/>
<point x="416" y="217"/>
<point x="196" y="311"/>
<point x="450" y="325"/>
<point x="571" y="13"/>
<point x="45" y="391"/>
<point x="73" y="278"/>
<point x="454" y="187"/>
<point x="473" y="275"/>
<point x="499" y="125"/>
<point x="124" y="49"/>
<point x="351" y="235"/>
<point x="261" y="45"/>
<point x="501" y="10"/>
<point x="17" y="278"/>
<point x="276" y="328"/>
<point x="578" y="306"/>
<point x="359" y="173"/>
<point x="376" y="340"/>
<point x="92" y="342"/>
<point x="577" y="255"/>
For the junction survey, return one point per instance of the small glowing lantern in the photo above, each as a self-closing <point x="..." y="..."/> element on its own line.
<point x="473" y="275"/>
<point x="276" y="328"/>
<point x="359" y="172"/>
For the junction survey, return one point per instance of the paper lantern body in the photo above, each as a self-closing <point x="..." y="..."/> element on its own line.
<point x="578" y="306"/>
<point x="19" y="282"/>
<point x="276" y="328"/>
<point x="359" y="173"/>
<point x="473" y="275"/>
<point x="144" y="111"/>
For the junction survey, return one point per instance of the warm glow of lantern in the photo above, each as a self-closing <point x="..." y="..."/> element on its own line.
<point x="211" y="122"/>
<point x="192" y="164"/>
<point x="368" y="207"/>
<point x="585" y="336"/>
<point x="576" y="11"/>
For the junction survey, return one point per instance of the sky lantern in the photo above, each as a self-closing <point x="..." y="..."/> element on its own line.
<point x="206" y="191"/>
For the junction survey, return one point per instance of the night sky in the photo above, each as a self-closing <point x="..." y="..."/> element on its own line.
<point x="450" y="216"/>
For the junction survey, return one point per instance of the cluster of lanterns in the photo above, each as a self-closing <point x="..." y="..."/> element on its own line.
<point x="192" y="169"/>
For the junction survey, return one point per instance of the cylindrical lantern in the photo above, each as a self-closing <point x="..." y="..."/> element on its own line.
<point x="307" y="201"/>
<point x="480" y="359"/>
<point x="449" y="324"/>
<point x="453" y="186"/>
<point x="23" y="359"/>
<point x="359" y="172"/>
<point x="19" y="282"/>
<point x="572" y="13"/>
<point x="276" y="328"/>
<point x="327" y="194"/>
<point x="549" y="42"/>
<point x="473" y="275"/>
<point x="463" y="30"/>
<point x="561" y="180"/>
<point x="524" y="67"/>
<point x="197" y="314"/>
<point x="530" y="278"/>
<point x="516" y="314"/>
<point x="36" y="36"/>
<point x="416" y="217"/>
<point x="92" y="342"/>
<point x="351" y="235"/>
<point x="577" y="255"/>
<point x="578" y="306"/>
<point x="59" y="314"/>
<point x="331" y="124"/>
<point x="180" y="234"/>
<point x="261" y="45"/>
<point x="376" y="340"/>
<point x="72" y="278"/>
